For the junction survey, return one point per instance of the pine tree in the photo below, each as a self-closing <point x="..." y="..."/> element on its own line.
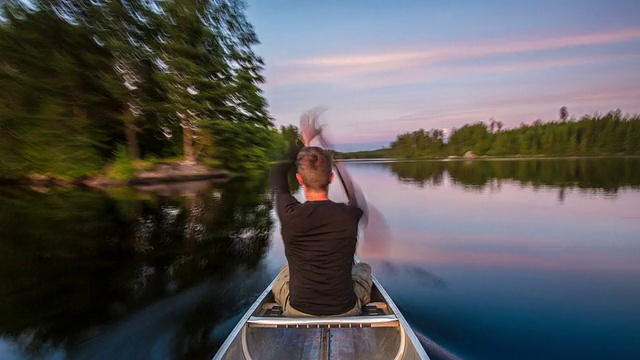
<point x="54" y="104"/>
<point x="80" y="77"/>
<point x="193" y="69"/>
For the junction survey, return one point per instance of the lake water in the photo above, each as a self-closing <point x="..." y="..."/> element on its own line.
<point x="523" y="259"/>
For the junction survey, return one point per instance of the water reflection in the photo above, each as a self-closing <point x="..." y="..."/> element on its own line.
<point x="407" y="270"/>
<point x="481" y="257"/>
<point x="488" y="263"/>
<point x="73" y="264"/>
<point x="607" y="175"/>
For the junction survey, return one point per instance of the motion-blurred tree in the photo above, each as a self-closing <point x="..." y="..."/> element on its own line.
<point x="79" y="78"/>
<point x="56" y="109"/>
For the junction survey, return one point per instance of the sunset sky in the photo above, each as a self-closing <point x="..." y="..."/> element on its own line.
<point x="387" y="67"/>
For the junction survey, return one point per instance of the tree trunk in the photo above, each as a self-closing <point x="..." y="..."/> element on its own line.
<point x="187" y="140"/>
<point x="130" y="133"/>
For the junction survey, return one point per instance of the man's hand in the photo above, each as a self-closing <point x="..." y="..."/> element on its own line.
<point x="309" y="127"/>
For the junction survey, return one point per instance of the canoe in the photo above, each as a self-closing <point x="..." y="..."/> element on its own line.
<point x="381" y="332"/>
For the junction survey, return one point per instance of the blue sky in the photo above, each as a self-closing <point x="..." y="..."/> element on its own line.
<point x="387" y="67"/>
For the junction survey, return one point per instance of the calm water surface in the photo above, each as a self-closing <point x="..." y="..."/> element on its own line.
<point x="522" y="259"/>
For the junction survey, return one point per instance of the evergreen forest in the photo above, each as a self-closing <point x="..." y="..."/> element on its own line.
<point x="592" y="135"/>
<point x="90" y="87"/>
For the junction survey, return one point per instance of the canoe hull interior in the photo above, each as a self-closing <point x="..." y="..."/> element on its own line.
<point x="323" y="343"/>
<point x="380" y="333"/>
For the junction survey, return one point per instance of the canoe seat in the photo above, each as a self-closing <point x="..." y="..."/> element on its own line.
<point x="375" y="308"/>
<point x="270" y="310"/>
<point x="324" y="321"/>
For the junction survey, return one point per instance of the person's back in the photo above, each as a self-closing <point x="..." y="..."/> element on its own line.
<point x="320" y="241"/>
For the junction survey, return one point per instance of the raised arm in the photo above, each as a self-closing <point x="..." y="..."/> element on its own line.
<point x="279" y="182"/>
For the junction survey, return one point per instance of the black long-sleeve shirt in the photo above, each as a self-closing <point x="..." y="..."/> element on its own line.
<point x="320" y="242"/>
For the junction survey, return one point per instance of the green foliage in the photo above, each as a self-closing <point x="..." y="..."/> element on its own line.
<point x="419" y="144"/>
<point x="79" y="80"/>
<point x="243" y="148"/>
<point x="366" y="154"/>
<point x="54" y="109"/>
<point x="609" y="134"/>
<point x="122" y="167"/>
<point x="290" y="134"/>
<point x="473" y="138"/>
<point x="211" y="76"/>
<point x="282" y="140"/>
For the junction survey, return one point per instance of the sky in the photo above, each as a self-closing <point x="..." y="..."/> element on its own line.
<point x="386" y="67"/>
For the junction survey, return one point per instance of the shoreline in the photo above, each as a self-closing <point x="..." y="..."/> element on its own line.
<point x="145" y="178"/>
<point x="485" y="157"/>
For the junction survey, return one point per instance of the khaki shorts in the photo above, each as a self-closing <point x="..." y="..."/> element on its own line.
<point x="360" y="273"/>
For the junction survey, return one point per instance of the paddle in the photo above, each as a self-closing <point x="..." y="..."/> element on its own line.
<point x="376" y="233"/>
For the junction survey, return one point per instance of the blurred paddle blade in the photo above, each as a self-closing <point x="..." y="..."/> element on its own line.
<point x="310" y="128"/>
<point x="376" y="237"/>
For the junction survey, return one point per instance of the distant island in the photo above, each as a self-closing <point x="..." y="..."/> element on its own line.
<point x="592" y="135"/>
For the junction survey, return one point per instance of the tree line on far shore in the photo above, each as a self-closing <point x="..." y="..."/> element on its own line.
<point x="610" y="134"/>
<point x="85" y="85"/>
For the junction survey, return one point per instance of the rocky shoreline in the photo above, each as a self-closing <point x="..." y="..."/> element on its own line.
<point x="163" y="173"/>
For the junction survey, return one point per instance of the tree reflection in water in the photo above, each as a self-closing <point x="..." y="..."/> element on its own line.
<point x="76" y="266"/>
<point x="593" y="175"/>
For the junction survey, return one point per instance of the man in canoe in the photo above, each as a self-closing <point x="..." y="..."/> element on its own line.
<point x="319" y="237"/>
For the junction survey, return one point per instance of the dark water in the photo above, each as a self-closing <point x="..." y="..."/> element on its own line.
<point x="490" y="259"/>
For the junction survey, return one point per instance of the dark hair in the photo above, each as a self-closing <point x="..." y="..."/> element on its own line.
<point x="314" y="166"/>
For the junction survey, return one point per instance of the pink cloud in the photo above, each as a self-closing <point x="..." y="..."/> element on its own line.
<point x="466" y="51"/>
<point x="357" y="60"/>
<point x="401" y="66"/>
<point x="363" y="77"/>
